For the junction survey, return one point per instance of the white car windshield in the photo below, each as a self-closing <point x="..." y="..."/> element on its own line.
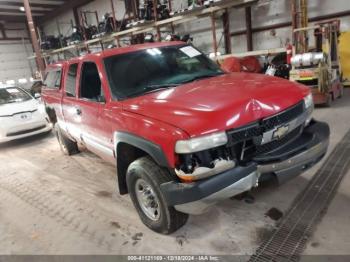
<point x="13" y="95"/>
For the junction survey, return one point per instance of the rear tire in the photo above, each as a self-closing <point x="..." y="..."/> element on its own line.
<point x="144" y="178"/>
<point x="68" y="146"/>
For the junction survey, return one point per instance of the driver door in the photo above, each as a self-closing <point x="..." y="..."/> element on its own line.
<point x="91" y="102"/>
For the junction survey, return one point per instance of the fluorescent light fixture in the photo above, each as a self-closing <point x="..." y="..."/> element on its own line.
<point x="22" y="81"/>
<point x="10" y="82"/>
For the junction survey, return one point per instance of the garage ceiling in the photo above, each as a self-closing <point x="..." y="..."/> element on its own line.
<point x="13" y="11"/>
<point x="42" y="10"/>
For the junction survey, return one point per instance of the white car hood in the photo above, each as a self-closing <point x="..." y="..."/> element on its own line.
<point x="15" y="108"/>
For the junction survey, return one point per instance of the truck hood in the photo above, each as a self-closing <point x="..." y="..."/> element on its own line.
<point x="14" y="108"/>
<point x="220" y="103"/>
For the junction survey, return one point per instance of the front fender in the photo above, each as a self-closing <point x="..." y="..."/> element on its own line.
<point x="152" y="149"/>
<point x="156" y="136"/>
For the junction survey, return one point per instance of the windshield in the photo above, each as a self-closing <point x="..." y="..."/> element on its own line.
<point x="151" y="70"/>
<point x="13" y="95"/>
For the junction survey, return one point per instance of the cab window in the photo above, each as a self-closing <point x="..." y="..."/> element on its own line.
<point x="71" y="80"/>
<point x="90" y="85"/>
<point x="53" y="79"/>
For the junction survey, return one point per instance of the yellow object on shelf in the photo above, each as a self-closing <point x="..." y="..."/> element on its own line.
<point x="344" y="49"/>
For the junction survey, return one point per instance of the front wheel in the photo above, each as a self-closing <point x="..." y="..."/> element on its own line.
<point x="144" y="178"/>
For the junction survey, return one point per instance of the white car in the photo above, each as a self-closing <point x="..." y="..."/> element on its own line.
<point x="21" y="115"/>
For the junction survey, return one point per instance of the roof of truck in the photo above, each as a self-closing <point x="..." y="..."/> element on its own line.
<point x="133" y="48"/>
<point x="118" y="51"/>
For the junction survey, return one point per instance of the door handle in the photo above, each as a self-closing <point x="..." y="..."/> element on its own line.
<point x="78" y="110"/>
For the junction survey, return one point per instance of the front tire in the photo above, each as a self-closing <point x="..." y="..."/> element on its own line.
<point x="144" y="178"/>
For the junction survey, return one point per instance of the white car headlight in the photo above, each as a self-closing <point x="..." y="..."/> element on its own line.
<point x="201" y="143"/>
<point x="309" y="101"/>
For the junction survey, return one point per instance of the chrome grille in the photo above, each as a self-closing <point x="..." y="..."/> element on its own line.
<point x="275" y="144"/>
<point x="245" y="133"/>
<point x="247" y="139"/>
<point x="284" y="117"/>
<point x="266" y="124"/>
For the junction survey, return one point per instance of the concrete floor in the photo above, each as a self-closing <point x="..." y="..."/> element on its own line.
<point x="53" y="204"/>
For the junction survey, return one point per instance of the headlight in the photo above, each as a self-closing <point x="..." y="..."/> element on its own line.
<point x="309" y="102"/>
<point x="200" y="143"/>
<point x="309" y="105"/>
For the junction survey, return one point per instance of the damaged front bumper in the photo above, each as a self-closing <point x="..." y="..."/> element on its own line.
<point x="285" y="163"/>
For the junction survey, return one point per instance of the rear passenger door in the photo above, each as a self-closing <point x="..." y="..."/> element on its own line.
<point x="51" y="89"/>
<point x="70" y="108"/>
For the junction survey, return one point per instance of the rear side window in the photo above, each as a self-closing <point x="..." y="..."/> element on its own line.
<point x="53" y="79"/>
<point x="71" y="80"/>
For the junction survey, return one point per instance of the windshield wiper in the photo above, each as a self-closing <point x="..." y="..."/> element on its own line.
<point x="161" y="86"/>
<point x="152" y="89"/>
<point x="155" y="88"/>
<point x="201" y="77"/>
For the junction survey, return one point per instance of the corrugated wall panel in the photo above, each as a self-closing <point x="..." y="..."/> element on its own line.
<point x="14" y="64"/>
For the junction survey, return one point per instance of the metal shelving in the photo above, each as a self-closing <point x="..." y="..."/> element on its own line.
<point x="156" y="25"/>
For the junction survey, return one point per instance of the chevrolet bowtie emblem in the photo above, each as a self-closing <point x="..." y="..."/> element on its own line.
<point x="280" y="132"/>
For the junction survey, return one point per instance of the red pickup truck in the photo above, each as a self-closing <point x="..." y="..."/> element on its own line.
<point x="182" y="133"/>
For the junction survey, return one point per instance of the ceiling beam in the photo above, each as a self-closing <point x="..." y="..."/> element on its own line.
<point x="9" y="13"/>
<point x="16" y="8"/>
<point x="19" y="4"/>
<point x="15" y="19"/>
<point x="18" y="12"/>
<point x="63" y="8"/>
<point x="45" y="2"/>
<point x="10" y="9"/>
<point x="13" y="38"/>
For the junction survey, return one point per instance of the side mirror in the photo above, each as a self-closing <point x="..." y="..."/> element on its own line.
<point x="37" y="95"/>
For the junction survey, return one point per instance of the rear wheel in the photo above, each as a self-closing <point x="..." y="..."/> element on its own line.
<point x="68" y="146"/>
<point x="144" y="178"/>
